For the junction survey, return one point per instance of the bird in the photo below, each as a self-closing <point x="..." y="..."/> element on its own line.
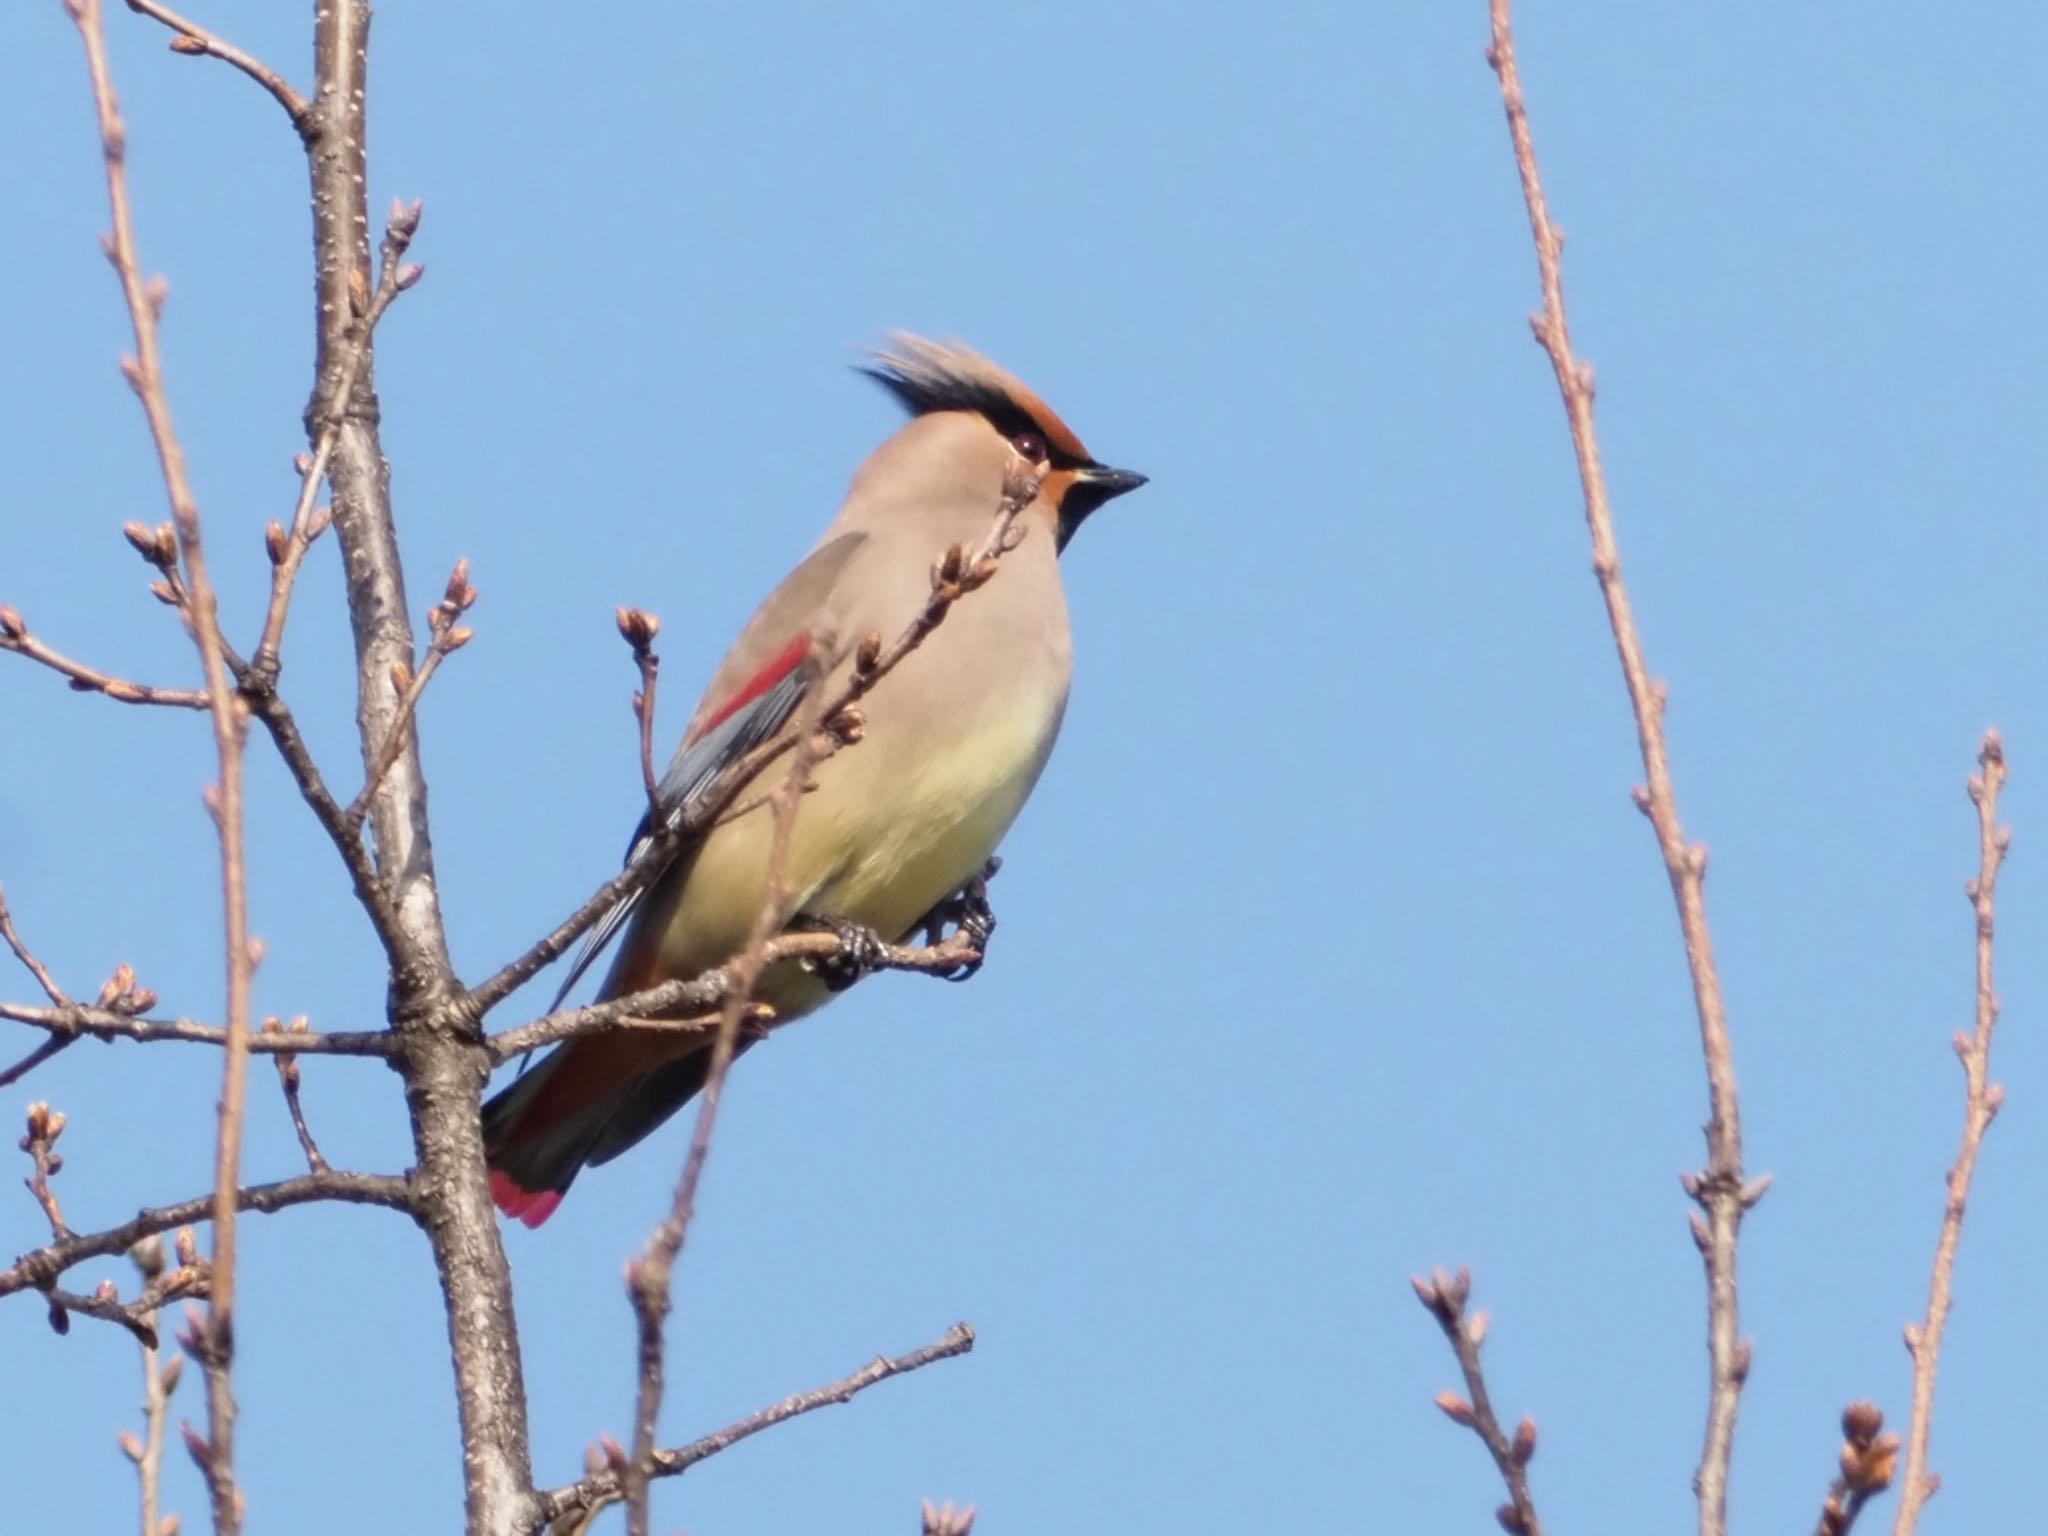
<point x="953" y="741"/>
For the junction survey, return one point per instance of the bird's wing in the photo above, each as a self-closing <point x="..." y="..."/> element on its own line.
<point x="752" y="696"/>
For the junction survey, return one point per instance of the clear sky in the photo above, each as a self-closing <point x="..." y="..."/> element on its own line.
<point x="1331" y="947"/>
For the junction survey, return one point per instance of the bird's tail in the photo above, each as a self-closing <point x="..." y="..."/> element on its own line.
<point x="582" y="1105"/>
<point x="537" y="1137"/>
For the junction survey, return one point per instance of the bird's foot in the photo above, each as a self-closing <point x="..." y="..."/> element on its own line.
<point x="968" y="913"/>
<point x="861" y="950"/>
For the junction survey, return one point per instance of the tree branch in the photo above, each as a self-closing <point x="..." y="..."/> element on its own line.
<point x="196" y="40"/>
<point x="15" y="637"/>
<point x="441" y="1058"/>
<point x="71" y="1021"/>
<point x="1720" y="1190"/>
<point x="656" y="1009"/>
<point x="600" y="1489"/>
<point x="42" y="1266"/>
<point x="649" y="1278"/>
<point x="26" y="956"/>
<point x="1443" y="1297"/>
<point x="159" y="1381"/>
<point x="1981" y="1101"/>
<point x="230" y="729"/>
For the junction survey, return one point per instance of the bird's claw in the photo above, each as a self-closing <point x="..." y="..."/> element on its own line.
<point x="970" y="916"/>
<point x="861" y="950"/>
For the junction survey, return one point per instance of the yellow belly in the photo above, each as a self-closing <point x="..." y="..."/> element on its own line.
<point x="880" y="842"/>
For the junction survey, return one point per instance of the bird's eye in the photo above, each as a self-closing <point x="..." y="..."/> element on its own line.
<point x="1030" y="445"/>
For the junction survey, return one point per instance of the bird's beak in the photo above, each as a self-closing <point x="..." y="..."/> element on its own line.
<point x="1107" y="482"/>
<point x="1093" y="484"/>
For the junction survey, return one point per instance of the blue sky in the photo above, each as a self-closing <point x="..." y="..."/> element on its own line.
<point x="1331" y="948"/>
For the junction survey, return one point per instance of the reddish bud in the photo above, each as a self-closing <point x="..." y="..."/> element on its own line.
<point x="1455" y="1408"/>
<point x="1524" y="1447"/>
<point x="187" y="45"/>
<point x="10" y="623"/>
<point x="274" y="541"/>
<point x="1860" y="1423"/>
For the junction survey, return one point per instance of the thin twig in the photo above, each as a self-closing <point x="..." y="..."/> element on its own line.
<point x="1720" y="1191"/>
<point x="15" y="637"/>
<point x="371" y="894"/>
<point x="603" y="1488"/>
<point x="196" y="40"/>
<point x="41" y="1267"/>
<point x="648" y="1279"/>
<point x="187" y="1282"/>
<point x="72" y="1021"/>
<point x="447" y="637"/>
<point x="1444" y="1297"/>
<point x="639" y="627"/>
<point x="1863" y="1469"/>
<point x="26" y="956"/>
<point x="159" y="1381"/>
<point x="655" y="1010"/>
<point x="288" y="544"/>
<point x="35" y="1058"/>
<point x="230" y="729"/>
<point x="288" y="1080"/>
<point x="45" y="1125"/>
<point x="955" y="573"/>
<point x="1981" y="1101"/>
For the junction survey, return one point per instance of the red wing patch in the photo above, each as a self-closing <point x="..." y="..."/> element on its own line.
<point x="784" y="662"/>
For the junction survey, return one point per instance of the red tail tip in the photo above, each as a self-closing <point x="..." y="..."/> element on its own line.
<point x="522" y="1204"/>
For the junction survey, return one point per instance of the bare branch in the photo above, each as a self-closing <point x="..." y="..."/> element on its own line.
<point x="648" y="1279"/>
<point x="1720" y="1190"/>
<point x="1981" y="1101"/>
<point x="35" y="1058"/>
<point x="288" y="1080"/>
<point x="288" y="543"/>
<point x="71" y="1021"/>
<point x="196" y="40"/>
<point x="376" y="902"/>
<point x="189" y="1280"/>
<point x="45" y="1125"/>
<point x="603" y="1488"/>
<point x="30" y="963"/>
<point x="159" y="1381"/>
<point x="1443" y="1297"/>
<point x="1863" y="1469"/>
<point x="639" y="627"/>
<point x="440" y="1055"/>
<point x="15" y="637"/>
<point x="655" y="1010"/>
<point x="41" y="1267"/>
<point x="230" y="729"/>
<point x="447" y="637"/>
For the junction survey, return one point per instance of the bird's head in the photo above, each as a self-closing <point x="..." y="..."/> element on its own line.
<point x="933" y="379"/>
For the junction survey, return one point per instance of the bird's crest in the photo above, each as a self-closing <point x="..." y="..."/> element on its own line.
<point x="927" y="376"/>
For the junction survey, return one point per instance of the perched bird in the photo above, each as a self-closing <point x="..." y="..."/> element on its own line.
<point x="954" y="739"/>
